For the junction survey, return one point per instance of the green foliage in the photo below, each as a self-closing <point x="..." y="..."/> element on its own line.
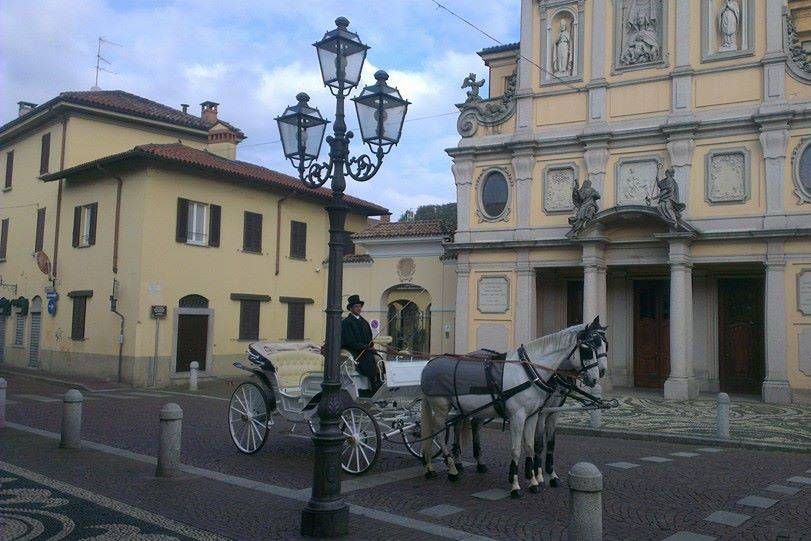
<point x="446" y="213"/>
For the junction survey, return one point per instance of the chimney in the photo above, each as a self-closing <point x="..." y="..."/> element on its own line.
<point x="208" y="112"/>
<point x="25" y="107"/>
<point x="185" y="107"/>
<point x="386" y="218"/>
<point x="222" y="142"/>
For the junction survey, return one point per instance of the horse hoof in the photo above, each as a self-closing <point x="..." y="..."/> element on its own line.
<point x="453" y="477"/>
<point x="459" y="467"/>
<point x="430" y="475"/>
<point x="534" y="489"/>
<point x="481" y="468"/>
<point x="554" y="482"/>
<point x="516" y="494"/>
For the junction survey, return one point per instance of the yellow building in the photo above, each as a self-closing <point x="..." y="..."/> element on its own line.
<point x="692" y="121"/>
<point x="137" y="200"/>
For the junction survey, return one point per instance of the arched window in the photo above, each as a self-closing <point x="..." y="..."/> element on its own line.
<point x="193" y="301"/>
<point x="494" y="195"/>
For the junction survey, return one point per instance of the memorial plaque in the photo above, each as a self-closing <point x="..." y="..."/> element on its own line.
<point x="158" y="311"/>
<point x="805" y="351"/>
<point x="493" y="295"/>
<point x="804" y="292"/>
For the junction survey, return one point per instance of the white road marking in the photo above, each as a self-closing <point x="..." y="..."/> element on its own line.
<point x="38" y="398"/>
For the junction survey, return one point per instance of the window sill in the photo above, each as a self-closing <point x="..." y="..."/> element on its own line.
<point x="84" y="245"/>
<point x="18" y="346"/>
<point x="198" y="244"/>
<point x="7" y="188"/>
<point x="297" y="258"/>
<point x="253" y="252"/>
<point x="249" y="340"/>
<point x="78" y="339"/>
<point x="3" y="260"/>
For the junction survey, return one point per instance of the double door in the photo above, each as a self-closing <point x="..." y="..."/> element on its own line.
<point x="651" y="333"/>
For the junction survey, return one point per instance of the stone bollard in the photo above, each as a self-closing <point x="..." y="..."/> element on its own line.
<point x="71" y="420"/>
<point x="169" y="447"/>
<point x="722" y="409"/>
<point x="596" y="416"/>
<point x="194" y="369"/>
<point x="3" y="386"/>
<point x="585" y="503"/>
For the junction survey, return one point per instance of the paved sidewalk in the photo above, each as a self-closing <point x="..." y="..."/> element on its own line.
<point x="77" y="382"/>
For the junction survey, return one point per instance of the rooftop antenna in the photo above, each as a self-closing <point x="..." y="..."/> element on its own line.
<point x="101" y="60"/>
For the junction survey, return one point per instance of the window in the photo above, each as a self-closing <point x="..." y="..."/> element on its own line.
<point x="248" y="320"/>
<point x="79" y="316"/>
<point x="3" y="239"/>
<point x="295" y="320"/>
<point x="494" y="193"/>
<point x="298" y="240"/>
<point x="9" y="168"/>
<point x="45" y="154"/>
<point x="198" y="223"/>
<point x="252" y="233"/>
<point x="39" y="237"/>
<point x="349" y="244"/>
<point x="84" y="225"/>
<point x="19" y="330"/>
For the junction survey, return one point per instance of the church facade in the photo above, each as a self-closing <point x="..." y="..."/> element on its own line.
<point x="647" y="162"/>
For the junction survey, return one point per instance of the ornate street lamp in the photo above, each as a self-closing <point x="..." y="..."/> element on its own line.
<point x="381" y="112"/>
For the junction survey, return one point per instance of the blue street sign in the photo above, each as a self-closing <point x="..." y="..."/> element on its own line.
<point x="52" y="306"/>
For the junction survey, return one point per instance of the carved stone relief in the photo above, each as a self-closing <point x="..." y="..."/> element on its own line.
<point x="727" y="175"/>
<point x="727" y="29"/>
<point x="635" y="179"/>
<point x="640" y="33"/>
<point x="488" y="112"/>
<point x="801" y="171"/>
<point x="405" y="269"/>
<point x="799" y="61"/>
<point x="558" y="181"/>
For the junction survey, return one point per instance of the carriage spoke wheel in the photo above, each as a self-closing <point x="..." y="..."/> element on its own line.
<point x="248" y="417"/>
<point x="412" y="436"/>
<point x="362" y="444"/>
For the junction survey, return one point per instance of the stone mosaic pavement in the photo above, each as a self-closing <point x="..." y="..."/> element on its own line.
<point x="750" y="420"/>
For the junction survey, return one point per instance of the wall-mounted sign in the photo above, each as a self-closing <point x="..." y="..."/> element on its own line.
<point x="375" y="325"/>
<point x="493" y="294"/>
<point x="804" y="292"/>
<point x="52" y="306"/>
<point x="158" y="311"/>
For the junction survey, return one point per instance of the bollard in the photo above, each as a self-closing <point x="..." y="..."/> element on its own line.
<point x="722" y="409"/>
<point x="596" y="416"/>
<point x="71" y="420"/>
<point x="3" y="386"/>
<point x="169" y="446"/>
<point x="585" y="503"/>
<point x="194" y="368"/>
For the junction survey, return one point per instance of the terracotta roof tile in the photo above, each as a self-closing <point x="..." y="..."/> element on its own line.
<point x="358" y="258"/>
<point x="419" y="228"/>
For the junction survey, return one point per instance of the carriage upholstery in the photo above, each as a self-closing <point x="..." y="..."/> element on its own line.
<point x="291" y="366"/>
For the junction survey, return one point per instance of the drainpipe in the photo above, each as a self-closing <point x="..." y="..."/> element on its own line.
<point x="59" y="198"/>
<point x="279" y="230"/>
<point x="114" y="309"/>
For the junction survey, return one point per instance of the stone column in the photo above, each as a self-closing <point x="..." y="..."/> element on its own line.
<point x="774" y="140"/>
<point x="776" y="388"/>
<point x="463" y="177"/>
<point x="681" y="385"/>
<point x="596" y="158"/>
<point x="526" y="71"/>
<point x="680" y="147"/>
<point x="597" y="84"/>
<point x="594" y="276"/>
<point x="523" y="163"/>
<point x="462" y="312"/>
<point x="526" y="306"/>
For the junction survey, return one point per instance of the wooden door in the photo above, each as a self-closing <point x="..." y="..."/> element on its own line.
<point x="33" y="350"/>
<point x="651" y="333"/>
<point x="740" y="335"/>
<point x="192" y="341"/>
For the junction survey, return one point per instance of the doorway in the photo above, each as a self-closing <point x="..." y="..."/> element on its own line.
<point x="192" y="333"/>
<point x="36" y="332"/>
<point x="651" y="333"/>
<point x="740" y="335"/>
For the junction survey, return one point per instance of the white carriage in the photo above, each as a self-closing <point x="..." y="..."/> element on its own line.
<point x="288" y="384"/>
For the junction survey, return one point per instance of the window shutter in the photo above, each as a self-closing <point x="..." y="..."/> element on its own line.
<point x="257" y="232"/>
<point x="79" y="310"/>
<point x="181" y="234"/>
<point x="3" y="239"/>
<point x="94" y="210"/>
<point x="295" y="321"/>
<point x="298" y="240"/>
<point x="9" y="167"/>
<point x="77" y="225"/>
<point x="214" y="225"/>
<point x="45" y="155"/>
<point x="249" y="320"/>
<point x="40" y="235"/>
<point x="252" y="233"/>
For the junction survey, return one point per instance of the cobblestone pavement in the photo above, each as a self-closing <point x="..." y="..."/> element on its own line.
<point x="653" y="490"/>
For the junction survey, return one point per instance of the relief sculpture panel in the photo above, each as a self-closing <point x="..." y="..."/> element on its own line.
<point x="635" y="180"/>
<point x="640" y="32"/>
<point x="557" y="186"/>
<point x="727" y="176"/>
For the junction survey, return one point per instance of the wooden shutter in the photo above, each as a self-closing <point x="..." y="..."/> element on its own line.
<point x="295" y="320"/>
<point x="9" y="167"/>
<point x="3" y="239"/>
<point x="40" y="235"/>
<point x="252" y="233"/>
<point x="249" y="320"/>
<point x="181" y="231"/>
<point x="93" y="210"/>
<point x="77" y="225"/>
<point x="298" y="240"/>
<point x="214" y="225"/>
<point x="45" y="154"/>
<point x="79" y="312"/>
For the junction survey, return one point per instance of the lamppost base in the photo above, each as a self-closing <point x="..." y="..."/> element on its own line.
<point x="325" y="522"/>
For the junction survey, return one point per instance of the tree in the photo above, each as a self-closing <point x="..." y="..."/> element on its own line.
<point x="407" y="216"/>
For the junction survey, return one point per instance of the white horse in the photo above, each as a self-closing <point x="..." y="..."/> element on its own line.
<point x="524" y="392"/>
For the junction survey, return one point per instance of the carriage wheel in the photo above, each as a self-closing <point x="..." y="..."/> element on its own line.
<point x="248" y="417"/>
<point x="412" y="437"/>
<point x="362" y="444"/>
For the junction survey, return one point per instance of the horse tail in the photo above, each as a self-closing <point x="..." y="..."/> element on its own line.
<point x="426" y="429"/>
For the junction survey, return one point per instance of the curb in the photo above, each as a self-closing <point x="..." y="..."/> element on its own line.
<point x="681" y="439"/>
<point x="58" y="381"/>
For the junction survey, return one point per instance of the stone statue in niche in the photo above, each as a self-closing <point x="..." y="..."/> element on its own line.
<point x="668" y="205"/>
<point x="474" y="85"/>
<point x="585" y="200"/>
<point x="729" y="22"/>
<point x="641" y="38"/>
<point x="563" y="56"/>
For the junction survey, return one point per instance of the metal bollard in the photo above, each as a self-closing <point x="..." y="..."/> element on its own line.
<point x="194" y="369"/>
<point x="169" y="446"/>
<point x="722" y="410"/>
<point x="596" y="416"/>
<point x="585" y="503"/>
<point x="71" y="420"/>
<point x="3" y="386"/>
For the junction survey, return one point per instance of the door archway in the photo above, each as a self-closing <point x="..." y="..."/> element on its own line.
<point x="193" y="333"/>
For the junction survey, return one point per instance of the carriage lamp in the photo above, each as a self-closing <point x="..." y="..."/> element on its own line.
<point x="381" y="113"/>
<point x="301" y="128"/>
<point x="341" y="54"/>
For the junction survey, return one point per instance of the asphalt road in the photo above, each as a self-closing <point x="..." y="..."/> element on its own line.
<point x="650" y="492"/>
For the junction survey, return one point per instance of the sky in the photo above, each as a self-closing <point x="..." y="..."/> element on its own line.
<point x="253" y="57"/>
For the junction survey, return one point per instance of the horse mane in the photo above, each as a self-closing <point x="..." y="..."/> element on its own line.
<point x="552" y="348"/>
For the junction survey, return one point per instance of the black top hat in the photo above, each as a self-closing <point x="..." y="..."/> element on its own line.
<point x="352" y="300"/>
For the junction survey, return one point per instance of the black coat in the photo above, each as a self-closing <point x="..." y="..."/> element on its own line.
<point x="356" y="337"/>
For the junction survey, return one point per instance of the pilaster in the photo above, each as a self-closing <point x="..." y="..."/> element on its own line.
<point x="596" y="158"/>
<point x="680" y="147"/>
<point x="523" y="164"/>
<point x="681" y="385"/>
<point x="682" y="83"/>
<point x="597" y="86"/>
<point x="594" y="280"/>
<point x="462" y="304"/>
<point x="774" y="68"/>
<point x="526" y="71"/>
<point x="776" y="388"/>
<point x="526" y="306"/>
<point x="774" y="138"/>
<point x="463" y="177"/>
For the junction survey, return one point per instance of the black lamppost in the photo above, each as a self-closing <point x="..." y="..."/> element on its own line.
<point x="381" y="112"/>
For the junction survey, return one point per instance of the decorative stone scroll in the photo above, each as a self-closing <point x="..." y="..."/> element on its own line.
<point x="799" y="61"/>
<point x="493" y="295"/>
<point x="727" y="176"/>
<point x="558" y="181"/>
<point x="640" y="33"/>
<point x="489" y="112"/>
<point x="801" y="171"/>
<point x="635" y="179"/>
<point x="804" y="292"/>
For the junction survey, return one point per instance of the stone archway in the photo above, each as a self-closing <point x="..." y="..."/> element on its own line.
<point x="408" y="317"/>
<point x="193" y="332"/>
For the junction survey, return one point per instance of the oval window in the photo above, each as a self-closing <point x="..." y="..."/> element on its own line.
<point x="804" y="169"/>
<point x="495" y="191"/>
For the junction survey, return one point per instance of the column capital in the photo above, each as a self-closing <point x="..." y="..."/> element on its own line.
<point x="681" y="151"/>
<point x="774" y="141"/>
<point x="523" y="163"/>
<point x="463" y="170"/>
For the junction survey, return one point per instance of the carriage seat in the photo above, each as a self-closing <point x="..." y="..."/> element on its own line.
<point x="291" y="366"/>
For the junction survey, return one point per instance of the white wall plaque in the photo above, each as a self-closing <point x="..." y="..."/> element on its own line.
<point x="636" y="178"/>
<point x="493" y="295"/>
<point x="805" y="351"/>
<point x="558" y="181"/>
<point x="804" y="292"/>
